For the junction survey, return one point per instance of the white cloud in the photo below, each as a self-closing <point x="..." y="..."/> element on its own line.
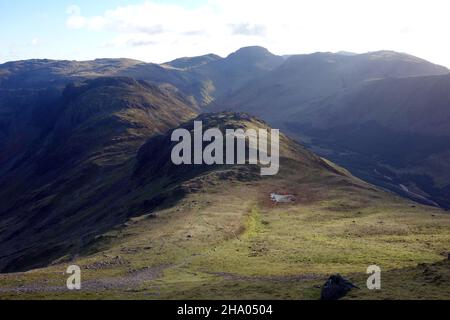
<point x="76" y="20"/>
<point x="157" y="31"/>
<point x="34" y="41"/>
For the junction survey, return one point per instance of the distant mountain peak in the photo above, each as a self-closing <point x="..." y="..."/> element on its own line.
<point x="255" y="55"/>
<point x="251" y="51"/>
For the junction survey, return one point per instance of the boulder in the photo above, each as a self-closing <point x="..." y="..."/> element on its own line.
<point x="336" y="287"/>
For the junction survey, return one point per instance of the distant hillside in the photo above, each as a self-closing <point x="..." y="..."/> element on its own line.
<point x="392" y="132"/>
<point x="240" y="68"/>
<point x="302" y="78"/>
<point x="204" y="79"/>
<point x="45" y="74"/>
<point x="362" y="110"/>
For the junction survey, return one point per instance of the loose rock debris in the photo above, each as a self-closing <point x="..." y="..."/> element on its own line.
<point x="282" y="198"/>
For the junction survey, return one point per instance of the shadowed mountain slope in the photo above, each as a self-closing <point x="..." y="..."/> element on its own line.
<point x="65" y="186"/>
<point x="392" y="132"/>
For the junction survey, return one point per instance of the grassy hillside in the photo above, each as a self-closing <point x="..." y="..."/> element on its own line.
<point x="224" y="238"/>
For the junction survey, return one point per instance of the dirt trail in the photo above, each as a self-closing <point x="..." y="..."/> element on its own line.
<point x="131" y="281"/>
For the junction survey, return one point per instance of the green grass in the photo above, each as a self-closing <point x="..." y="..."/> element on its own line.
<point x="212" y="245"/>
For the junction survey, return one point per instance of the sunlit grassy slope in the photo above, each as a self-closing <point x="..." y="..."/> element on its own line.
<point x="225" y="239"/>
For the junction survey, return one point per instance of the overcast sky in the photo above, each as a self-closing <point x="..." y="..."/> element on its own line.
<point x="158" y="31"/>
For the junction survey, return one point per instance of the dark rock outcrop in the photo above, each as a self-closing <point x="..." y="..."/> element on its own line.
<point x="336" y="287"/>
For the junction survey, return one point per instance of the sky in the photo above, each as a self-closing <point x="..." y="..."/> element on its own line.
<point x="159" y="30"/>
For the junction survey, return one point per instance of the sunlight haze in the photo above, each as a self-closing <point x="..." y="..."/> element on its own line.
<point x="158" y="31"/>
